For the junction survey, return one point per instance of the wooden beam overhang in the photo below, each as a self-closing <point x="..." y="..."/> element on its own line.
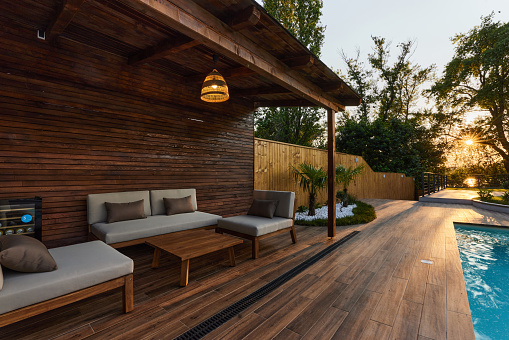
<point x="259" y="91"/>
<point x="238" y="72"/>
<point x="63" y="19"/>
<point x="247" y="18"/>
<point x="285" y="103"/>
<point x="163" y="50"/>
<point x="195" y="22"/>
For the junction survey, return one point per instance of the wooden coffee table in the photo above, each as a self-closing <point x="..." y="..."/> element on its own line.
<point x="190" y="244"/>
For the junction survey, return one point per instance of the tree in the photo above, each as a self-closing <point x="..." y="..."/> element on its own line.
<point x="362" y="82"/>
<point x="387" y="89"/>
<point x="345" y="176"/>
<point x="392" y="146"/>
<point x="477" y="78"/>
<point x="292" y="125"/>
<point x="296" y="125"/>
<point x="311" y="180"/>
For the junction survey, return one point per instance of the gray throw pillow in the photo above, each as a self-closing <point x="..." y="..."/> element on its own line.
<point x="25" y="254"/>
<point x="263" y="208"/>
<point x="117" y="212"/>
<point x="1" y="278"/>
<point x="178" y="205"/>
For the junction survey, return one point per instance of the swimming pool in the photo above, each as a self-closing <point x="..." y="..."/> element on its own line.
<point x="484" y="253"/>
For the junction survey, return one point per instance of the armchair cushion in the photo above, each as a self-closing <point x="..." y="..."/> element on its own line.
<point x="286" y="201"/>
<point x="263" y="208"/>
<point x="254" y="225"/>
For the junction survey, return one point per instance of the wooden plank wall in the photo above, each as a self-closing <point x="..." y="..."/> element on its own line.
<point x="75" y="120"/>
<point x="272" y="172"/>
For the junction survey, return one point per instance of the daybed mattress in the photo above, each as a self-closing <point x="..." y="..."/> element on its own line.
<point x="79" y="266"/>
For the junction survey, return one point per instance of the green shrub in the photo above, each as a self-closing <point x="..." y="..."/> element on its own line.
<point x="318" y="205"/>
<point x="302" y="209"/>
<point x="363" y="213"/>
<point x="505" y="196"/>
<point x="340" y="195"/>
<point x="485" y="194"/>
<point x="506" y="185"/>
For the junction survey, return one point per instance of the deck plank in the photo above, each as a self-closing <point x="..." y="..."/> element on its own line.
<point x="406" y="325"/>
<point x="388" y="306"/>
<point x="434" y="317"/>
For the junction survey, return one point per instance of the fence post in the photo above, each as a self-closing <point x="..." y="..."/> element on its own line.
<point x="422" y="183"/>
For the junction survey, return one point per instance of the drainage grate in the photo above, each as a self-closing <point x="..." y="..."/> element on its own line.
<point x="207" y="326"/>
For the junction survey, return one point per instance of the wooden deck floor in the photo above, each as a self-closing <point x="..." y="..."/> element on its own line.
<point x="372" y="287"/>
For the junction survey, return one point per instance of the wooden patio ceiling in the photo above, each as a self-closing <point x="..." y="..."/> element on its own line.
<point x="261" y="61"/>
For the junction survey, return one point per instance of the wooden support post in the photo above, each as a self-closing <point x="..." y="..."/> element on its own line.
<point x="331" y="167"/>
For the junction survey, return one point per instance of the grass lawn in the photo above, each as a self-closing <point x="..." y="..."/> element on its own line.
<point x="475" y="189"/>
<point x="363" y="213"/>
<point x="496" y="199"/>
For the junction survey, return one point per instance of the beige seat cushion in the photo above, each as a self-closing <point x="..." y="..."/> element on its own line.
<point x="254" y="225"/>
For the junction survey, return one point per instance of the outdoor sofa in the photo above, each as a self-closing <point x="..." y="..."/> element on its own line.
<point x="84" y="270"/>
<point x="154" y="221"/>
<point x="256" y="226"/>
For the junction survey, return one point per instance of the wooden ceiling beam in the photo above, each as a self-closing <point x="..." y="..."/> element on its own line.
<point x="63" y="19"/>
<point x="285" y="103"/>
<point x="247" y="18"/>
<point x="238" y="72"/>
<point x="195" y="22"/>
<point x="163" y="50"/>
<point x="260" y="91"/>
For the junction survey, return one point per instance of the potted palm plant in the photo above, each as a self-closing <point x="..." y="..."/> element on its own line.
<point x="311" y="180"/>
<point x="345" y="176"/>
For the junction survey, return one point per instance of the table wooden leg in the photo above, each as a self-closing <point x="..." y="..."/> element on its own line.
<point x="184" y="273"/>
<point x="231" y="252"/>
<point x="157" y="256"/>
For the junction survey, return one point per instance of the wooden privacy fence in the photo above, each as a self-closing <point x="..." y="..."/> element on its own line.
<point x="272" y="172"/>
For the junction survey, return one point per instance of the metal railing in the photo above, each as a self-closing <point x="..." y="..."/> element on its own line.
<point x="432" y="182"/>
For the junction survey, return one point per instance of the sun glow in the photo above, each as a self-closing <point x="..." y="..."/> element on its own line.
<point x="470" y="182"/>
<point x="469" y="142"/>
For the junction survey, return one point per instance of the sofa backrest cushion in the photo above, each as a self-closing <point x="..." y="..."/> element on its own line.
<point x="286" y="201"/>
<point x="97" y="209"/>
<point x="157" y="196"/>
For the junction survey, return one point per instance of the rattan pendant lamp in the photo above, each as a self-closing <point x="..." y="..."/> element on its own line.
<point x="214" y="88"/>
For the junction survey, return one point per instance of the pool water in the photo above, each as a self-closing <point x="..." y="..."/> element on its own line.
<point x="484" y="253"/>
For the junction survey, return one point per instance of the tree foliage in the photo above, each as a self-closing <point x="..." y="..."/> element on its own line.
<point x="390" y="131"/>
<point x="302" y="19"/>
<point x="477" y="78"/>
<point x="296" y="125"/>
<point x="388" y="89"/>
<point x="391" y="146"/>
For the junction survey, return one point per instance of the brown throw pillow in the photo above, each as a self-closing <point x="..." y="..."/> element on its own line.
<point x="263" y="208"/>
<point x="125" y="211"/>
<point x="25" y="254"/>
<point x="178" y="205"/>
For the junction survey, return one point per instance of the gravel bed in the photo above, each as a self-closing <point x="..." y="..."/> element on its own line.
<point x="322" y="213"/>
